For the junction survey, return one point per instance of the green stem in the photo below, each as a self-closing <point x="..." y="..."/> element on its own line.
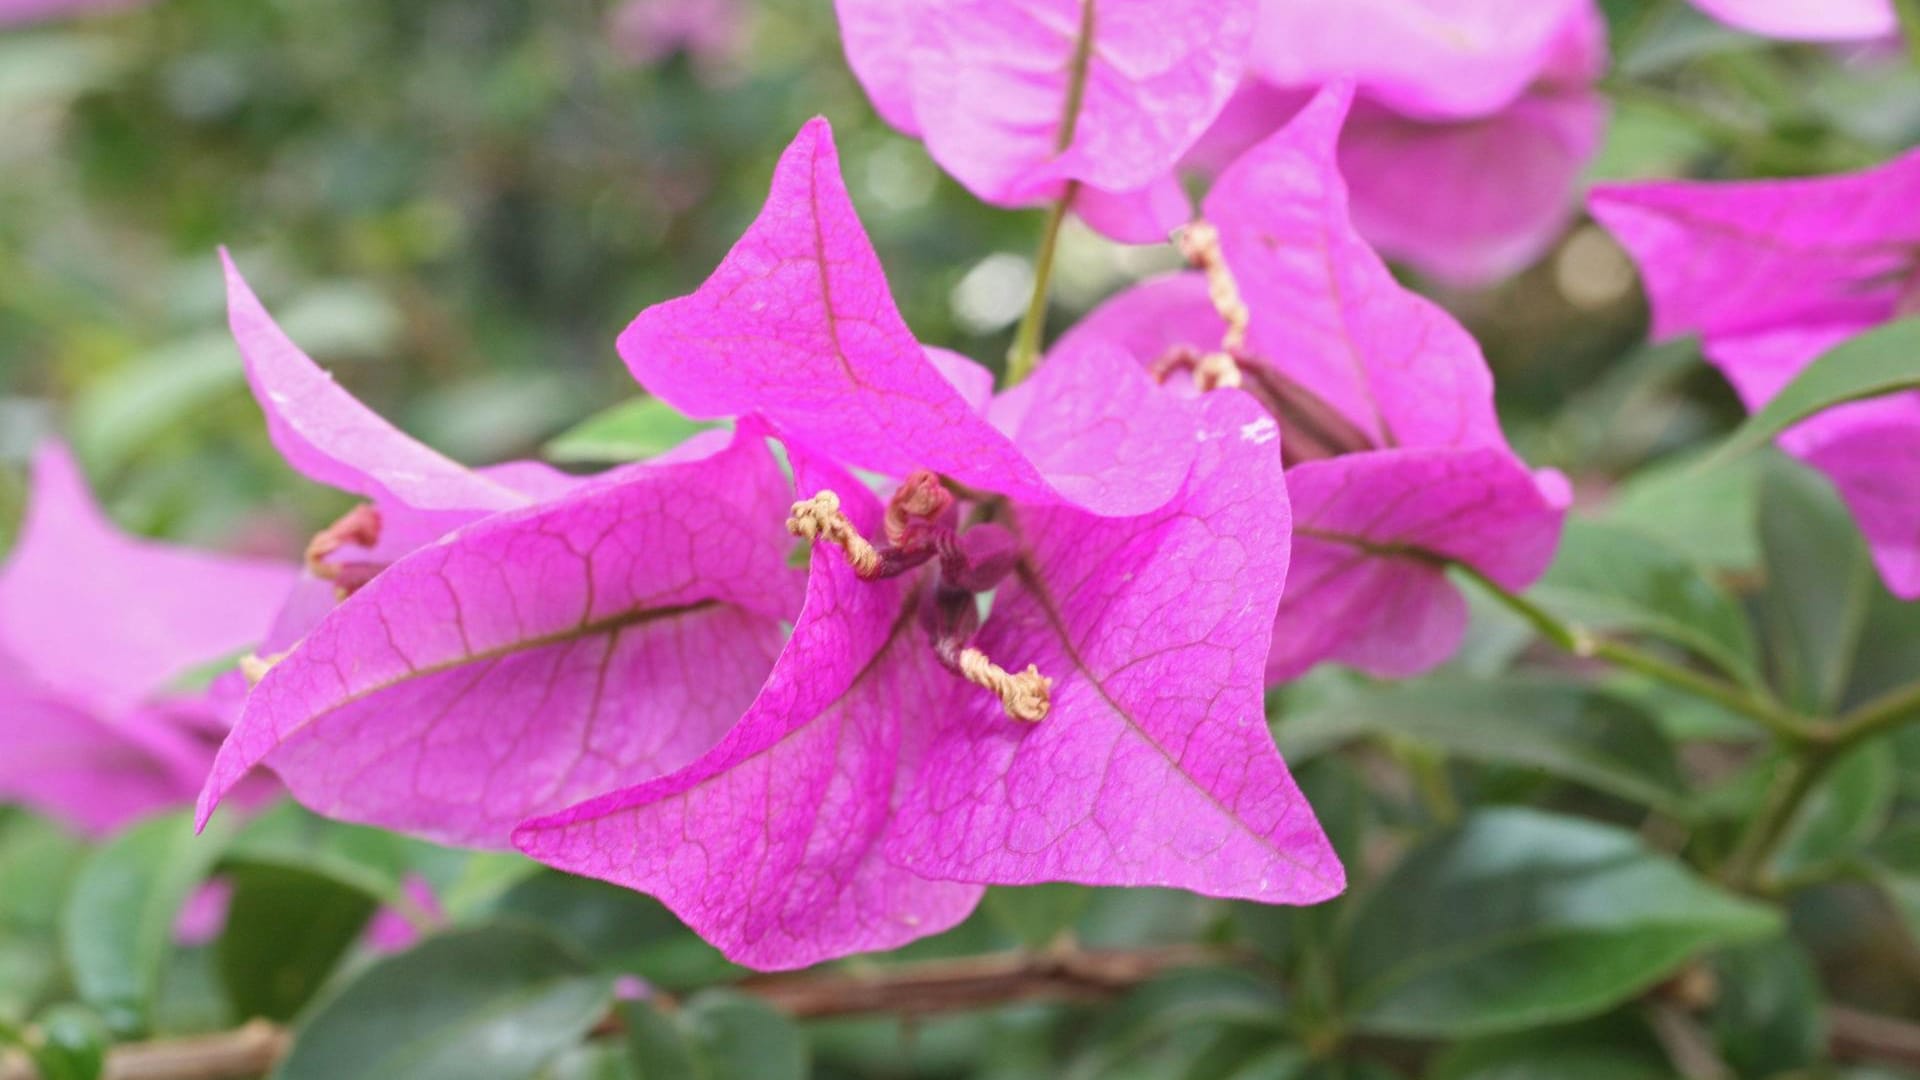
<point x="1026" y="340"/>
<point x="1785" y="725"/>
<point x="1800" y="774"/>
<point x="1882" y="714"/>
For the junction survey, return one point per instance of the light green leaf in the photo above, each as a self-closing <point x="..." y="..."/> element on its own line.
<point x="1519" y="918"/>
<point x="1567" y="729"/>
<point x="119" y="917"/>
<point x="1611" y="578"/>
<point x="1844" y="814"/>
<point x="630" y="431"/>
<point x="1709" y="515"/>
<point x="1883" y="360"/>
<point x="492" y="1003"/>
<point x="1820" y="583"/>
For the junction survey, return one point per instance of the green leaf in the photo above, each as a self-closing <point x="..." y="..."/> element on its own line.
<point x="266" y="970"/>
<point x="71" y="1045"/>
<point x="1709" y="515"/>
<point x="1819" y="586"/>
<point x="1567" y="729"/>
<point x="1894" y="865"/>
<point x="1844" y="814"/>
<point x="630" y="431"/>
<point x="1883" y="360"/>
<point x="742" y="1038"/>
<point x="1193" y="1005"/>
<point x="119" y="917"/>
<point x="288" y="836"/>
<point x="1615" y="579"/>
<point x="1769" y="1015"/>
<point x="657" y="1046"/>
<point x="1519" y="918"/>
<point x="1613" y="1048"/>
<point x="618" y="928"/>
<point x="1037" y="914"/>
<point x="496" y="1002"/>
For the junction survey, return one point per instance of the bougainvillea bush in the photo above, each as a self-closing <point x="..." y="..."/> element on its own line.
<point x="1001" y="538"/>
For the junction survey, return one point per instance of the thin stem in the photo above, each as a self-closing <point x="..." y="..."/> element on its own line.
<point x="1882" y="714"/>
<point x="1787" y="726"/>
<point x="1798" y="777"/>
<point x="1026" y="339"/>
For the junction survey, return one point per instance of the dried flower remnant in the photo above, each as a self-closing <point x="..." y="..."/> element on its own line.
<point x="894" y="764"/>
<point x="1772" y="273"/>
<point x="1396" y="462"/>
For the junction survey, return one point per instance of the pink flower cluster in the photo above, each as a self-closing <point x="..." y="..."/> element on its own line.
<point x="1034" y="626"/>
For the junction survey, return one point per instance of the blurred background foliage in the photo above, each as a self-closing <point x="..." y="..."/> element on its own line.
<point x="457" y="204"/>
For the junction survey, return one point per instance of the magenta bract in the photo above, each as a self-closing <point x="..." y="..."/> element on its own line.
<point x="1386" y="406"/>
<point x="1770" y="274"/>
<point x="872" y="789"/>
<point x="94" y="626"/>
<point x="1018" y="98"/>
<point x="1818" y="20"/>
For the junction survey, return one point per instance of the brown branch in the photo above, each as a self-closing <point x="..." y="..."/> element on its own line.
<point x="1866" y="1038"/>
<point x="936" y="986"/>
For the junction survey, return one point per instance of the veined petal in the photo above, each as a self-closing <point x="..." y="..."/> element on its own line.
<point x="536" y="657"/>
<point x="1155" y="766"/>
<point x="770" y="845"/>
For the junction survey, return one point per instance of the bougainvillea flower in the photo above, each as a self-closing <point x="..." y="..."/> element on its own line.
<point x="1428" y="59"/>
<point x="1807" y="20"/>
<point x="1466" y="178"/>
<point x="1019" y="98"/>
<point x="1772" y="273"/>
<point x="1396" y="462"/>
<point x="94" y="627"/>
<point x="536" y="656"/>
<point x="1135" y="546"/>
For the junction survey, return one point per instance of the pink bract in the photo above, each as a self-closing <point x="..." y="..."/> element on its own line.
<point x="1807" y="20"/>
<point x="1431" y="479"/>
<point x="94" y="626"/>
<point x="870" y="791"/>
<point x="535" y="657"/>
<point x="1017" y="99"/>
<point x="25" y="11"/>
<point x="1770" y="274"/>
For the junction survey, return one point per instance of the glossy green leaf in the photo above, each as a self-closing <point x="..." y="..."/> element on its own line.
<point x="1844" y="813"/>
<point x="496" y="1002"/>
<point x="1612" y="1048"/>
<point x="619" y="929"/>
<point x="1569" y="730"/>
<point x="119" y="917"/>
<point x="1519" y="918"/>
<point x="1819" y="586"/>
<point x="1881" y="361"/>
<point x="1615" y="579"/>
<point x="268" y="971"/>
<point x="1037" y="914"/>
<point x="1769" y="1013"/>
<point x="630" y="431"/>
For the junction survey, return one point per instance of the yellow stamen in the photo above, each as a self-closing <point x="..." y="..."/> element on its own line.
<point x="821" y="518"/>
<point x="1199" y="243"/>
<point x="1025" y="695"/>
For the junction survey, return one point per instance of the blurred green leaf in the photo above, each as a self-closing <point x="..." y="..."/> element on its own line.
<point x="1843" y="814"/>
<point x="494" y="1002"/>
<point x="621" y="930"/>
<point x="71" y="1045"/>
<point x="1769" y="1015"/>
<point x="1037" y="914"/>
<point x="719" y="1035"/>
<point x="120" y="414"/>
<point x="1709" y="515"/>
<point x="1519" y="918"/>
<point x="1893" y="863"/>
<point x="119" y="917"/>
<point x="266" y="970"/>
<point x="1883" y="360"/>
<point x="1191" y="1005"/>
<point x="630" y="431"/>
<point x="1819" y="584"/>
<point x="1614" y="579"/>
<point x="1567" y="729"/>
<point x="287" y="836"/>
<point x="1613" y="1048"/>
